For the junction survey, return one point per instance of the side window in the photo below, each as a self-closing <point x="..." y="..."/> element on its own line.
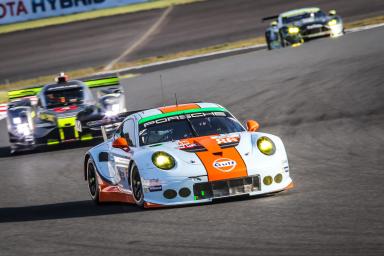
<point x="129" y="132"/>
<point x="118" y="132"/>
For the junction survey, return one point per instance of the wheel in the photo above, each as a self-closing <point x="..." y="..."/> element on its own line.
<point x="282" y="40"/>
<point x="93" y="184"/>
<point x="136" y="186"/>
<point x="268" y="42"/>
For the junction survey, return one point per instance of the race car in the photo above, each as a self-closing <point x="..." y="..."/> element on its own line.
<point x="293" y="27"/>
<point x="185" y="154"/>
<point x="52" y="114"/>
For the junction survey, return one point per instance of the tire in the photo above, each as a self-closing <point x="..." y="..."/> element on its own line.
<point x="268" y="42"/>
<point x="136" y="186"/>
<point x="93" y="184"/>
<point x="282" y="40"/>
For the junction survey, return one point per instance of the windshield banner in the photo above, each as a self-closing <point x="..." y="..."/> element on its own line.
<point x="12" y="11"/>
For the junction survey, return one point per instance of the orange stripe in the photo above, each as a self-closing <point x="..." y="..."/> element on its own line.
<point x="223" y="165"/>
<point x="111" y="193"/>
<point x="180" y="107"/>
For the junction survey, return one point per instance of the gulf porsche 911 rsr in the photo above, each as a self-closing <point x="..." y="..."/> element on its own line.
<point x="55" y="113"/>
<point x="293" y="27"/>
<point x="185" y="154"/>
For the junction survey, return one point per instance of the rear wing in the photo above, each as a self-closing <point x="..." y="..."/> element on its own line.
<point x="22" y="93"/>
<point x="90" y="82"/>
<point x="270" y="18"/>
<point x="102" y="82"/>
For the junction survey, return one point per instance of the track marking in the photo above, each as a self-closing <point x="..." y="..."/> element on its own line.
<point x="142" y="39"/>
<point x="257" y="46"/>
<point x="362" y="28"/>
<point x="3" y="111"/>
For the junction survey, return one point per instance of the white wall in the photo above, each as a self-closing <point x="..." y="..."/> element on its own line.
<point x="12" y="11"/>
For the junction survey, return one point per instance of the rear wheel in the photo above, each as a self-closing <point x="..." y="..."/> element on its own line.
<point x="93" y="184"/>
<point x="283" y="43"/>
<point x="136" y="186"/>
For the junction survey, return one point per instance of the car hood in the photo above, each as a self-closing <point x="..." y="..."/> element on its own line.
<point x="220" y="157"/>
<point x="310" y="22"/>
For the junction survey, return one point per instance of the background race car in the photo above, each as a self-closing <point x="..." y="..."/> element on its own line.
<point x="185" y="154"/>
<point x="52" y="114"/>
<point x="293" y="27"/>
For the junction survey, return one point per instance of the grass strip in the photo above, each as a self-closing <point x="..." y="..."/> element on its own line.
<point x="158" y="4"/>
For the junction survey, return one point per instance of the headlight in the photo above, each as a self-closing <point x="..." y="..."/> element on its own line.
<point x="332" y="22"/>
<point x="293" y="30"/>
<point x="23" y="129"/>
<point x="163" y="160"/>
<point x="266" y="146"/>
<point x="114" y="111"/>
<point x="16" y="120"/>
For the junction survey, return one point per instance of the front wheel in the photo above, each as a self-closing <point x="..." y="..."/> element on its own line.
<point x="136" y="186"/>
<point x="93" y="184"/>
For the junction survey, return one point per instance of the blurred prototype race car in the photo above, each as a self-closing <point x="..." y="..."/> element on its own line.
<point x="293" y="27"/>
<point x="54" y="113"/>
<point x="185" y="154"/>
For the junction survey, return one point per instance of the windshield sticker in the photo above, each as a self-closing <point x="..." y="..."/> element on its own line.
<point x="220" y="140"/>
<point x="183" y="117"/>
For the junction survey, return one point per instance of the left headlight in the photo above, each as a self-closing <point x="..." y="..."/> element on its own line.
<point x="163" y="160"/>
<point x="293" y="30"/>
<point x="332" y="22"/>
<point x="266" y="146"/>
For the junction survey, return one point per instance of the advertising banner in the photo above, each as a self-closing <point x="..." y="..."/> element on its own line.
<point x="12" y="11"/>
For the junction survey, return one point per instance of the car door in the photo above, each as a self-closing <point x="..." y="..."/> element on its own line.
<point x="121" y="158"/>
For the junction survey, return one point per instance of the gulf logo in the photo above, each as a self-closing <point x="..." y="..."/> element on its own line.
<point x="224" y="164"/>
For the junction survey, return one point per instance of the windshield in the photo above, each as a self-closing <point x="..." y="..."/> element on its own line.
<point x="64" y="97"/>
<point x="302" y="17"/>
<point x="187" y="126"/>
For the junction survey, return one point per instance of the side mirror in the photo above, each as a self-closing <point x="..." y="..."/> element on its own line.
<point x="121" y="143"/>
<point x="332" y="12"/>
<point x="252" y="126"/>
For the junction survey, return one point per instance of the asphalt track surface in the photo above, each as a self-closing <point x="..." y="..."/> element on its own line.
<point x="95" y="43"/>
<point x="324" y="99"/>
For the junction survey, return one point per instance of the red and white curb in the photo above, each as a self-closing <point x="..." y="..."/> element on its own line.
<point x="3" y="111"/>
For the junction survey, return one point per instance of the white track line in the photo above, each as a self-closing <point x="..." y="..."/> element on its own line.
<point x="362" y="28"/>
<point x="352" y="30"/>
<point x="142" y="39"/>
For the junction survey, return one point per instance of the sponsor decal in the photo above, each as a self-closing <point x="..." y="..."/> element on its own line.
<point x="155" y="188"/>
<point x="224" y="164"/>
<point x="20" y="10"/>
<point x="220" y="140"/>
<point x="64" y="109"/>
<point x="152" y="185"/>
<point x="314" y="26"/>
<point x="183" y="117"/>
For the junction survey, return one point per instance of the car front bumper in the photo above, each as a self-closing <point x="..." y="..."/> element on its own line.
<point x="195" y="190"/>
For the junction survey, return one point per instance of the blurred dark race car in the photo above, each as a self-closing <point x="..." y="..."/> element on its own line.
<point x="291" y="28"/>
<point x="57" y="113"/>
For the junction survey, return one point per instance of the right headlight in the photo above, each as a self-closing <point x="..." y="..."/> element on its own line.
<point x="163" y="160"/>
<point x="293" y="30"/>
<point x="266" y="146"/>
<point x="332" y="22"/>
